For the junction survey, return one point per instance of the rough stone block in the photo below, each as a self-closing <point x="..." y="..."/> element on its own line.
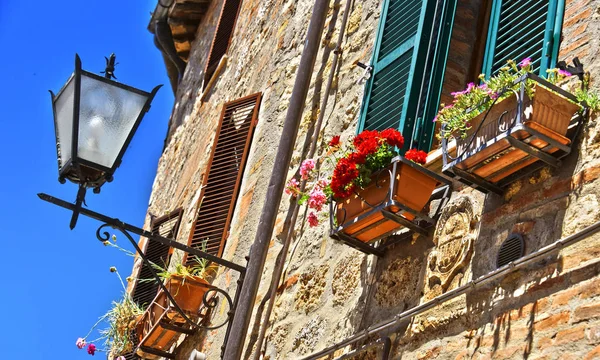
<point x="552" y="321"/>
<point x="586" y="312"/>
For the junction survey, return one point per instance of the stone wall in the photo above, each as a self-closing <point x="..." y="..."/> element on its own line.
<point x="331" y="291"/>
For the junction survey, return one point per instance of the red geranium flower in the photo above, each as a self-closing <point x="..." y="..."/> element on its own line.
<point x="343" y="176"/>
<point x="368" y="146"/>
<point x="357" y="158"/>
<point x="393" y="137"/>
<point x="335" y="141"/>
<point x="91" y="349"/>
<point x="418" y="156"/>
<point x="364" y="136"/>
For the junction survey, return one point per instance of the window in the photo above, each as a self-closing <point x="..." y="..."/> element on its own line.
<point x="225" y="171"/>
<point x="524" y="28"/>
<point x="408" y="66"/>
<point x="222" y="38"/>
<point x="426" y="49"/>
<point x="166" y="226"/>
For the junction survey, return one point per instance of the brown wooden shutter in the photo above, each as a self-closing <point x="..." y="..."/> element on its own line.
<point x="222" y="37"/>
<point x="225" y="171"/>
<point x="166" y="226"/>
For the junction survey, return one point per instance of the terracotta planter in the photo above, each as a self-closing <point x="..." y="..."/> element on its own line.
<point x="413" y="190"/>
<point x="546" y="112"/>
<point x="188" y="292"/>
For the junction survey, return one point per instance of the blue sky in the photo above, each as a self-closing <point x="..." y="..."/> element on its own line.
<point x="57" y="281"/>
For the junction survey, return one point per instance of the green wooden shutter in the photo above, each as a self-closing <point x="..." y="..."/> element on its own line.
<point x="434" y="74"/>
<point x="523" y="28"/>
<point x="407" y="43"/>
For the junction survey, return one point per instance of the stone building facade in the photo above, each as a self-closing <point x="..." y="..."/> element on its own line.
<point x="550" y="310"/>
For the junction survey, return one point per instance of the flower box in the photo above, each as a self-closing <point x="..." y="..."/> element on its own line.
<point x="161" y="325"/>
<point x="365" y="215"/>
<point x="483" y="154"/>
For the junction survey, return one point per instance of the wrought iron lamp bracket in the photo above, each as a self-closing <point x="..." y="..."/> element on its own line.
<point x="127" y="229"/>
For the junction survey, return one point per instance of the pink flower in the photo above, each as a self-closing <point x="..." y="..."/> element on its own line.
<point x="312" y="219"/>
<point x="322" y="184"/>
<point x="91" y="349"/>
<point x="316" y="199"/>
<point x="525" y="62"/>
<point x="292" y="187"/>
<point x="307" y="166"/>
<point x="470" y="87"/>
<point x="80" y="343"/>
<point x="121" y="358"/>
<point x="564" y="73"/>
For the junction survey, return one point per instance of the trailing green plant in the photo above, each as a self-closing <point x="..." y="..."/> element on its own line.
<point x="585" y="95"/>
<point x="121" y="319"/>
<point x="119" y="322"/>
<point x="201" y="267"/>
<point x="475" y="99"/>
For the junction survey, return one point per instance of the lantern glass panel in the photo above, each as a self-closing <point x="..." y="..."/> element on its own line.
<point x="63" y="107"/>
<point x="107" y="114"/>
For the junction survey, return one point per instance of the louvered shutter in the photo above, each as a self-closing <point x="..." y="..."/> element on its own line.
<point x="223" y="33"/>
<point x="524" y="28"/>
<point x="225" y="172"/>
<point x="166" y="226"/>
<point x="392" y="94"/>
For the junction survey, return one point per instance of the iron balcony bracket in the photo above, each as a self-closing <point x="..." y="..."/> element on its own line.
<point x="422" y="224"/>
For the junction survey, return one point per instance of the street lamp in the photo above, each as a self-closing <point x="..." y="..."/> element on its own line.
<point x="95" y="118"/>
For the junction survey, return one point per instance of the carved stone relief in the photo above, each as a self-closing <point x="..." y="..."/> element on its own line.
<point x="454" y="237"/>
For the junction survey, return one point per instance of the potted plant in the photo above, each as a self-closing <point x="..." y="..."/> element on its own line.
<point x="481" y="115"/>
<point x="549" y="108"/>
<point x="188" y="284"/>
<point x="119" y="324"/>
<point x="158" y="328"/>
<point x="360" y="185"/>
<point x="160" y="325"/>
